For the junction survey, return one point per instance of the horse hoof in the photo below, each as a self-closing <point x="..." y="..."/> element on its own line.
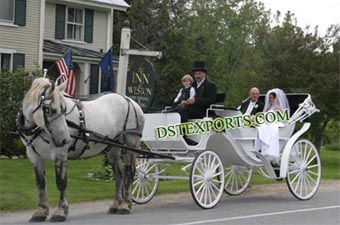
<point x="37" y="219"/>
<point x="57" y="218"/>
<point x="123" y="211"/>
<point x="112" y="210"/>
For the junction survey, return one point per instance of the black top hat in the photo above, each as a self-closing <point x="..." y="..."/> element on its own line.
<point x="199" y="66"/>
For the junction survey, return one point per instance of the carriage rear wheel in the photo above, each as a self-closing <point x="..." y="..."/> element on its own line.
<point x="304" y="170"/>
<point x="146" y="181"/>
<point x="207" y="179"/>
<point x="237" y="179"/>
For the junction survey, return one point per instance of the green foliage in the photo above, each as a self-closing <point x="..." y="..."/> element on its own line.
<point x="12" y="89"/>
<point x="332" y="133"/>
<point x="332" y="147"/>
<point x="104" y="173"/>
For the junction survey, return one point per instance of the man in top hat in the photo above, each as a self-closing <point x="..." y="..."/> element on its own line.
<point x="195" y="108"/>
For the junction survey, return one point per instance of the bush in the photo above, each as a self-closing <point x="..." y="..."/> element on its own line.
<point x="332" y="147"/>
<point x="12" y="89"/>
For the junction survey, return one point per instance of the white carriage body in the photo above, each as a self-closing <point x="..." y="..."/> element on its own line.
<point x="234" y="147"/>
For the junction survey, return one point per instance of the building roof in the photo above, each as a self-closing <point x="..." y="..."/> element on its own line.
<point x="121" y="3"/>
<point x="58" y="48"/>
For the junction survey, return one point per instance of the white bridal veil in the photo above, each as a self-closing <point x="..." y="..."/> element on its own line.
<point x="281" y="100"/>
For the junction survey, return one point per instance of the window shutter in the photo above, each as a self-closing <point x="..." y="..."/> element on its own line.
<point x="88" y="34"/>
<point x="20" y="12"/>
<point x="18" y="61"/>
<point x="60" y="21"/>
<point x="94" y="78"/>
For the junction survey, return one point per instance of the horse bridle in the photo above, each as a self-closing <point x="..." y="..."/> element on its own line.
<point x="46" y="104"/>
<point x="34" y="131"/>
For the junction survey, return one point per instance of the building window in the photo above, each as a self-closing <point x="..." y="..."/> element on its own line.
<point x="75" y="24"/>
<point x="7" y="11"/>
<point x="5" y="62"/>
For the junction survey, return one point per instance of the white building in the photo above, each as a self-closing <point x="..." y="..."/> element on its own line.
<point x="36" y="33"/>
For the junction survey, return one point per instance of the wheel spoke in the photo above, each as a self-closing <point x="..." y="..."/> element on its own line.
<point x="309" y="171"/>
<point x="313" y="166"/>
<point x="137" y="185"/>
<point x="308" y="183"/>
<point x="298" y="183"/>
<point x="215" y="187"/>
<point x="293" y="171"/>
<point x="305" y="153"/>
<point x="213" y="191"/>
<point x="151" y="167"/>
<point x="199" y="182"/>
<point x="236" y="182"/>
<point x="209" y="193"/>
<point x="200" y="188"/>
<point x="311" y="178"/>
<point x="217" y="174"/>
<point x="240" y="180"/>
<point x="215" y="168"/>
<point x="296" y="176"/>
<point x="305" y="185"/>
<point x="310" y="160"/>
<point x="212" y="164"/>
<point x="202" y="193"/>
<point x="310" y="151"/>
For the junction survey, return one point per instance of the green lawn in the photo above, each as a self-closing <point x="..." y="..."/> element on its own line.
<point x="18" y="190"/>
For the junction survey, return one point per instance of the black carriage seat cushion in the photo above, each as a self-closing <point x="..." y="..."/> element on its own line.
<point x="220" y="98"/>
<point x="86" y="97"/>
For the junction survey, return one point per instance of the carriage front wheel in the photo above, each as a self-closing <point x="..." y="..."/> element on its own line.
<point x="146" y="181"/>
<point x="304" y="170"/>
<point x="237" y="179"/>
<point x="207" y="179"/>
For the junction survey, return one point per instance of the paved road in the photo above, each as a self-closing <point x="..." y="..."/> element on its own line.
<point x="269" y="204"/>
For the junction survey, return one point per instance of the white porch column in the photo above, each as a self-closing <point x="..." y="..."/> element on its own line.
<point x="41" y="33"/>
<point x="84" y="73"/>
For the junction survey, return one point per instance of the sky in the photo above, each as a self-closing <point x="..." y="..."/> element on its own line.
<point x="309" y="12"/>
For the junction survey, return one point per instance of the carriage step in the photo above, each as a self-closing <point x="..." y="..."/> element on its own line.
<point x="270" y="170"/>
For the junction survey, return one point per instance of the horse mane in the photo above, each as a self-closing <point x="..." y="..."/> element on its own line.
<point x="38" y="85"/>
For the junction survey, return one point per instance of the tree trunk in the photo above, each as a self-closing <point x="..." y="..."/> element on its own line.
<point x="318" y="135"/>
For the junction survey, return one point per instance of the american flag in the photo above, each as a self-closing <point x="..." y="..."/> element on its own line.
<point x="65" y="66"/>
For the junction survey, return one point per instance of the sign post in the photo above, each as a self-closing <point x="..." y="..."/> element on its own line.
<point x="125" y="51"/>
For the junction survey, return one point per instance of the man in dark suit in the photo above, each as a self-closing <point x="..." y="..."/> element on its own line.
<point x="252" y="105"/>
<point x="206" y="90"/>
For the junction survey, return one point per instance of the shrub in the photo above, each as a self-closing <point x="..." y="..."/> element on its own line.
<point x="12" y="89"/>
<point x="332" y="147"/>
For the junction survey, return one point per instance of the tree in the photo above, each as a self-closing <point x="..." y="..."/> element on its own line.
<point x="300" y="61"/>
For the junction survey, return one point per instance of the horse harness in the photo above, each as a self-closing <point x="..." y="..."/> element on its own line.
<point x="34" y="131"/>
<point x="83" y="133"/>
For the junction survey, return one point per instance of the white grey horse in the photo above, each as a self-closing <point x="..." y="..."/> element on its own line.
<point x="49" y="119"/>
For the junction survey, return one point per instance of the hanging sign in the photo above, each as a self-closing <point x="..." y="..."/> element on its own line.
<point x="140" y="83"/>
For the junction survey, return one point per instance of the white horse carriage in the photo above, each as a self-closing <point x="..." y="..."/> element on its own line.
<point x="54" y="126"/>
<point x="224" y="161"/>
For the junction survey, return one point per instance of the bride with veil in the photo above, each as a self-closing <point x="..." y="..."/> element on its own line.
<point x="268" y="134"/>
